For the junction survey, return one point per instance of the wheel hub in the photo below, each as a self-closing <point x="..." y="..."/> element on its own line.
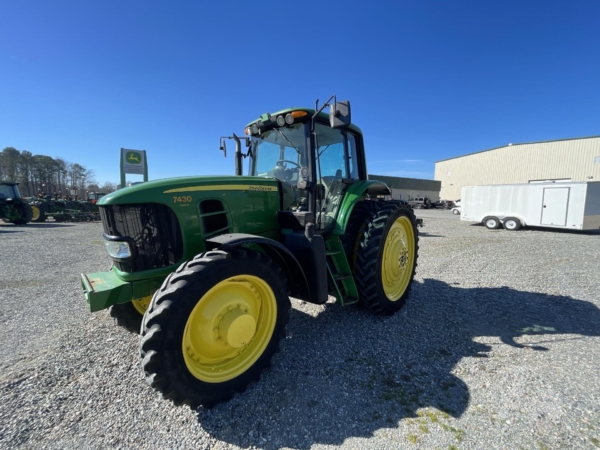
<point x="229" y="328"/>
<point x="403" y="259"/>
<point x="237" y="328"/>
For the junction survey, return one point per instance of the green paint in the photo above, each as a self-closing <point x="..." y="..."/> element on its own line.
<point x="355" y="192"/>
<point x="248" y="211"/>
<point x="251" y="205"/>
<point x="104" y="289"/>
<point x="339" y="271"/>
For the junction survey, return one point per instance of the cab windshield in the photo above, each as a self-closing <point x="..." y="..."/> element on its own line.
<point x="8" y="191"/>
<point x="280" y="153"/>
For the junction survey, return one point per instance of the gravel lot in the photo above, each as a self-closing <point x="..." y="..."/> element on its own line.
<point x="498" y="347"/>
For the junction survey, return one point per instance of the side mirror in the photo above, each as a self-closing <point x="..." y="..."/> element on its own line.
<point x="339" y="114"/>
<point x="223" y="147"/>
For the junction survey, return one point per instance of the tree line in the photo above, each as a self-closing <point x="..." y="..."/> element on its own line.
<point x="41" y="173"/>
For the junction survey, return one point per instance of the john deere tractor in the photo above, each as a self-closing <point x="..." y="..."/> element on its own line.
<point x="204" y="266"/>
<point x="13" y="208"/>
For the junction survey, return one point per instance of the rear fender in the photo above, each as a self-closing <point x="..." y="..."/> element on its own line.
<point x="292" y="269"/>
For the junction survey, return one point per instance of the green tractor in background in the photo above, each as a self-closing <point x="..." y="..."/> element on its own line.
<point x="13" y="208"/>
<point x="44" y="206"/>
<point x="65" y="209"/>
<point x="204" y="266"/>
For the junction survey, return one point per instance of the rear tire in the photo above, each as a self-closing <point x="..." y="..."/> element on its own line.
<point x="384" y="258"/>
<point x="26" y="214"/>
<point x="491" y="223"/>
<point x="214" y="326"/>
<point x="355" y="229"/>
<point x="512" y="224"/>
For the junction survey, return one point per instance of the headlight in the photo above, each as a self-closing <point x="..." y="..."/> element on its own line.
<point x="118" y="249"/>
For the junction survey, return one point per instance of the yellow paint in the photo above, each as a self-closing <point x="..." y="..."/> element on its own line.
<point x="398" y="258"/>
<point x="182" y="199"/>
<point x="224" y="187"/>
<point x="35" y="212"/>
<point x="229" y="328"/>
<point x="133" y="157"/>
<point x="141" y="304"/>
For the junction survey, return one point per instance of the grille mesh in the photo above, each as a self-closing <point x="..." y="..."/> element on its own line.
<point x="153" y="228"/>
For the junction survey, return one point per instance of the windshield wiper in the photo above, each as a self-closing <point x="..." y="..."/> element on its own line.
<point x="290" y="142"/>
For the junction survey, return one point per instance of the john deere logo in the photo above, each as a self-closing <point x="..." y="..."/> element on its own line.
<point x="133" y="157"/>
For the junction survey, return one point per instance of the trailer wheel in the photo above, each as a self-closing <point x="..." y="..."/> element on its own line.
<point x="491" y="223"/>
<point x="512" y="224"/>
<point x="129" y="315"/>
<point x="386" y="257"/>
<point x="214" y="326"/>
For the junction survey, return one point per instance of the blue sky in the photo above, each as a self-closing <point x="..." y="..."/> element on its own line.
<point x="427" y="80"/>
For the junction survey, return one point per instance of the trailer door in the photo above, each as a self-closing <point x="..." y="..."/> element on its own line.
<point x="554" y="206"/>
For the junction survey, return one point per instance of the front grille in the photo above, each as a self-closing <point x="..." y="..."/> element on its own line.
<point x="153" y="228"/>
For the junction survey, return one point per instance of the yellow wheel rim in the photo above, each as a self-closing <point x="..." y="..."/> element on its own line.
<point x="141" y="304"/>
<point x="35" y="212"/>
<point x="229" y="328"/>
<point x="398" y="258"/>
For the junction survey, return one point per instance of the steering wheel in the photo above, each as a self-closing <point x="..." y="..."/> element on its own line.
<point x="282" y="172"/>
<point x="287" y="161"/>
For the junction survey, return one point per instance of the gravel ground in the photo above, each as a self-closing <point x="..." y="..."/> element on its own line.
<point x="497" y="347"/>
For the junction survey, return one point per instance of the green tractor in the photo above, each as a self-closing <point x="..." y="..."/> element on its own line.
<point x="62" y="209"/>
<point x="13" y="208"/>
<point x="204" y="266"/>
<point x="44" y="206"/>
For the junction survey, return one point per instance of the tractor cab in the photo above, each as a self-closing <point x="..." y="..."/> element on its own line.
<point x="314" y="155"/>
<point x="13" y="208"/>
<point x="95" y="196"/>
<point x="9" y="191"/>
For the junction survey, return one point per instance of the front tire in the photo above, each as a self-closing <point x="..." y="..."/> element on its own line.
<point x="384" y="260"/>
<point x="214" y="326"/>
<point x="129" y="315"/>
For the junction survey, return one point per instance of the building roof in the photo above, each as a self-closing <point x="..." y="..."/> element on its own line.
<point x="521" y="143"/>
<point x="408" y="183"/>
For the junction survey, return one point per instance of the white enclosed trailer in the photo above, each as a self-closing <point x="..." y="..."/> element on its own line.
<point x="568" y="205"/>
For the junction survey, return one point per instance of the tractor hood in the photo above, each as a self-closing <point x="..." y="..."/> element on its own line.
<point x="167" y="190"/>
<point x="195" y="208"/>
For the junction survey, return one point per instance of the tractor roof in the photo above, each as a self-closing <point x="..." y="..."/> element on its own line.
<point x="9" y="183"/>
<point x="322" y="117"/>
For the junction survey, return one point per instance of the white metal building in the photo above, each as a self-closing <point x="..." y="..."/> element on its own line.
<point x="575" y="159"/>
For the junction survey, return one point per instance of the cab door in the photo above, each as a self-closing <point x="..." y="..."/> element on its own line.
<point x="336" y="167"/>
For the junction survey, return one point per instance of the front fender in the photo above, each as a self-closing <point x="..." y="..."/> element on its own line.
<point x="280" y="254"/>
